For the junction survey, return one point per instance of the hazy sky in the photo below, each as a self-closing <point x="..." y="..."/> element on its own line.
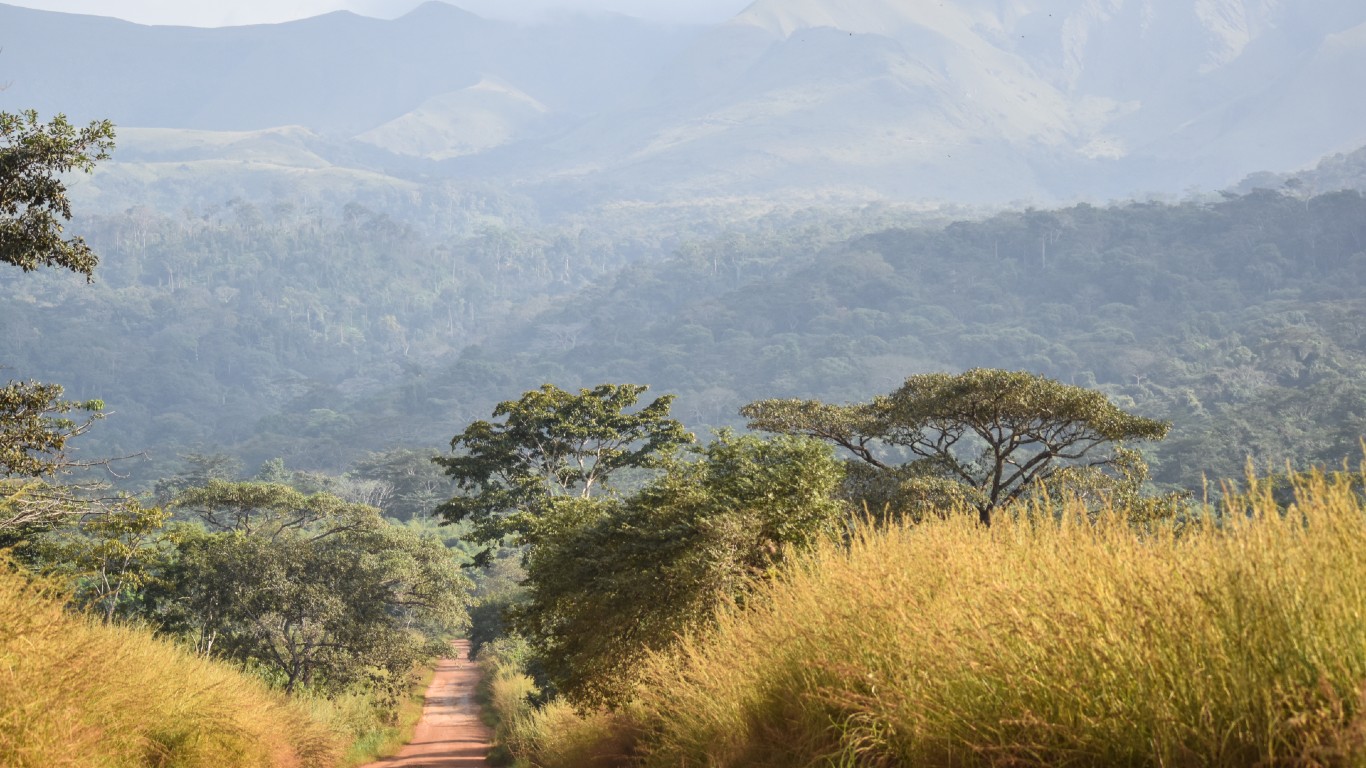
<point x="212" y="13"/>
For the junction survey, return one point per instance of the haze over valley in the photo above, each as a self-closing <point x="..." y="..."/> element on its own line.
<point x="799" y="382"/>
<point x="801" y="101"/>
<point x="376" y="228"/>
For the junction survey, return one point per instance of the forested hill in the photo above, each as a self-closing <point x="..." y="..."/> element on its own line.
<point x="318" y="337"/>
<point x="1243" y="321"/>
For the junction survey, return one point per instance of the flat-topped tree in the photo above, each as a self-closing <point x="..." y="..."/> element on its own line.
<point x="997" y="434"/>
<point x="553" y="444"/>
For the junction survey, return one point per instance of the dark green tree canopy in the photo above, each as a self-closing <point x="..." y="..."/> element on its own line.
<point x="553" y="444"/>
<point x="33" y="201"/>
<point x="996" y="433"/>
<point x="624" y="578"/>
<point x="316" y="591"/>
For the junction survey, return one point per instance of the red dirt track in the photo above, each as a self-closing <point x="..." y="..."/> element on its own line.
<point x="450" y="733"/>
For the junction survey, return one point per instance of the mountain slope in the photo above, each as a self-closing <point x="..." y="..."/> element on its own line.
<point x="981" y="100"/>
<point x="800" y="100"/>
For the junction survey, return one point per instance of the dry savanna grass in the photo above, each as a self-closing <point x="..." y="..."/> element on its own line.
<point x="1071" y="640"/>
<point x="74" y="692"/>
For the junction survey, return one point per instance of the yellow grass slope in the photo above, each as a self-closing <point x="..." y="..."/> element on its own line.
<point x="77" y="693"/>
<point x="1034" y="643"/>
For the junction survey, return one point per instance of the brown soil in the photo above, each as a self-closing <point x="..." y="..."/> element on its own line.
<point x="450" y="733"/>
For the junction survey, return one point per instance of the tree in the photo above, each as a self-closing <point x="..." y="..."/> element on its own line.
<point x="995" y="435"/>
<point x="196" y="471"/>
<point x="416" y="486"/>
<point x="553" y="444"/>
<point x="319" y="593"/>
<point x="35" y="422"/>
<point x="623" y="578"/>
<point x="35" y="425"/>
<point x="33" y="201"/>
<point x="271" y="510"/>
<point x="110" y="558"/>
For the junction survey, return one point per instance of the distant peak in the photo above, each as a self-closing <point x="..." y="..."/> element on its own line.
<point x="436" y="9"/>
<point x="880" y="17"/>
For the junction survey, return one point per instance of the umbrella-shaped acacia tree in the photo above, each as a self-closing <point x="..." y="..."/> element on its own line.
<point x="994" y="435"/>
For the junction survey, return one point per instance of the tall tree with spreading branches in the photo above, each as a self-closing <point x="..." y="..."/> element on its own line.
<point x="553" y="444"/>
<point x="992" y="435"/>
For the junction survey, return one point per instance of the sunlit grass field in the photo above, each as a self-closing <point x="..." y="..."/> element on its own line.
<point x="1237" y="638"/>
<point x="74" y="692"/>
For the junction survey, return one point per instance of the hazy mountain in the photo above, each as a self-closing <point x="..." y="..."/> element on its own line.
<point x="485" y="115"/>
<point x="981" y="99"/>
<point x="968" y="100"/>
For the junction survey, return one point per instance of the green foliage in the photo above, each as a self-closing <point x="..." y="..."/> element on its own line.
<point x="109" y="559"/>
<point x="552" y="445"/>
<point x="997" y="433"/>
<point x="33" y="202"/>
<point x="197" y="470"/>
<point x="620" y="579"/>
<point x="35" y="492"/>
<point x="498" y="587"/>
<point x="35" y="427"/>
<point x="260" y="328"/>
<point x="1048" y="639"/>
<point x="268" y="510"/>
<point x="414" y="485"/>
<point x="315" y="592"/>
<point x="35" y="424"/>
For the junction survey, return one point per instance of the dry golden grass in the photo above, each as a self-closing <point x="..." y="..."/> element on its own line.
<point x="1039" y="642"/>
<point x="77" y="693"/>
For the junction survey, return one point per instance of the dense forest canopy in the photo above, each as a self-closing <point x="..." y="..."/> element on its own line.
<point x="317" y="336"/>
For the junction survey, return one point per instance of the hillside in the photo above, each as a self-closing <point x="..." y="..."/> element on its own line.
<point x="810" y="102"/>
<point x="280" y="332"/>
<point x="77" y="692"/>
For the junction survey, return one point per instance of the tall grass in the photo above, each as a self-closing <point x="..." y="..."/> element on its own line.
<point x="366" y="723"/>
<point x="1043" y="641"/>
<point x="74" y="692"/>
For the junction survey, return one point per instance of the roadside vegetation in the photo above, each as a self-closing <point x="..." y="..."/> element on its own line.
<point x="78" y="692"/>
<point x="975" y="568"/>
<point x="1061" y="635"/>
<point x="212" y="620"/>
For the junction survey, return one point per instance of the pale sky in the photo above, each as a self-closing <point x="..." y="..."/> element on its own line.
<point x="213" y="13"/>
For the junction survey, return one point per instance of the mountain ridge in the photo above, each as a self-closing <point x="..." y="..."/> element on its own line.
<point x="975" y="101"/>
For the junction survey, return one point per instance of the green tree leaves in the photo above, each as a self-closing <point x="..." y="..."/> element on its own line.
<point x="617" y="579"/>
<point x="553" y="444"/>
<point x="316" y="591"/>
<point x="996" y="433"/>
<point x="33" y="201"/>
<point x="35" y="425"/>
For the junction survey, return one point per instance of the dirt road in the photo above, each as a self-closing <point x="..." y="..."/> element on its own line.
<point x="450" y="733"/>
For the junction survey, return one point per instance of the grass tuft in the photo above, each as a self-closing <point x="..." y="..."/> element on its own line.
<point x="74" y="692"/>
<point x="1048" y="640"/>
